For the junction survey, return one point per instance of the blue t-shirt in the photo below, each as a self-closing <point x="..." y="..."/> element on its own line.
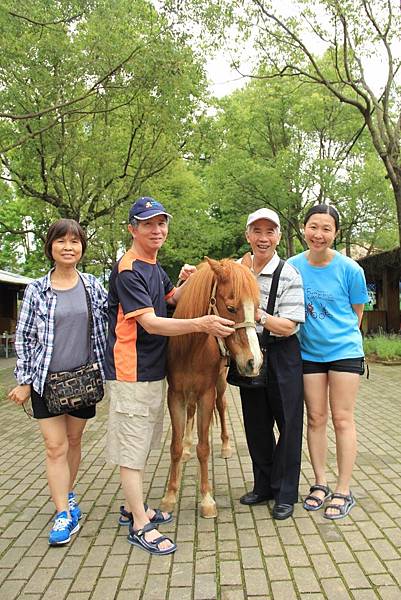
<point x="331" y="330"/>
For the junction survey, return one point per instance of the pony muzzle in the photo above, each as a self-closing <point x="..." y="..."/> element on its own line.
<point x="251" y="367"/>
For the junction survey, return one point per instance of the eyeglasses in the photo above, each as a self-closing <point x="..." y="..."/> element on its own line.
<point x="28" y="411"/>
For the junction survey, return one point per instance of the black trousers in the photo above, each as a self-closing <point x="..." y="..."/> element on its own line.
<point x="276" y="463"/>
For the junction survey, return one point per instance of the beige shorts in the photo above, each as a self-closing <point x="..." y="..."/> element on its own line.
<point x="135" y="423"/>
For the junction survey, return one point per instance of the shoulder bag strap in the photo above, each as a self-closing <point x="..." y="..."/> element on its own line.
<point x="90" y="322"/>
<point x="272" y="295"/>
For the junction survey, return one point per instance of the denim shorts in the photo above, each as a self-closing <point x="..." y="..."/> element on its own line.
<point x="347" y="365"/>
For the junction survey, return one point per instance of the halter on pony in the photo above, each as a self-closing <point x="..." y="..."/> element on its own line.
<point x="213" y="309"/>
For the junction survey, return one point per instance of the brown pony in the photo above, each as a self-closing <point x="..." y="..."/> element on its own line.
<point x="194" y="361"/>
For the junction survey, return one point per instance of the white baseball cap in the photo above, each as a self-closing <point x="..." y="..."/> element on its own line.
<point x="263" y="213"/>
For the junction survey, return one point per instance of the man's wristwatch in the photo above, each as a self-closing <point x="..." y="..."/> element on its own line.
<point x="263" y="320"/>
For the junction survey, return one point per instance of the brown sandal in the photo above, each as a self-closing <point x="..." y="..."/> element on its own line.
<point x="319" y="501"/>
<point x="343" y="509"/>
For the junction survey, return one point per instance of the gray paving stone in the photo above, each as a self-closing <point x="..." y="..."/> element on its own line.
<point x="106" y="587"/>
<point x="181" y="593"/>
<point x="277" y="568"/>
<point x="205" y="587"/>
<point x="335" y="589"/>
<point x="230" y="573"/>
<point x="11" y="589"/>
<point x="58" y="589"/>
<point x="306" y="580"/>
<point x="389" y="593"/>
<point x="256" y="582"/>
<point x="231" y="593"/>
<point x="39" y="581"/>
<point x="182" y="575"/>
<point x="284" y="589"/>
<point x="86" y="579"/>
<point x="243" y="554"/>
<point x="353" y="576"/>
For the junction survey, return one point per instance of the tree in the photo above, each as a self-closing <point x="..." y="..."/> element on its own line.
<point x="122" y="89"/>
<point x="351" y="32"/>
<point x="286" y="146"/>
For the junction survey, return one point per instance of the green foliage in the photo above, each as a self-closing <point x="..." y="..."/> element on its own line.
<point x="114" y="106"/>
<point x="385" y="347"/>
<point x="286" y="146"/>
<point x="126" y="88"/>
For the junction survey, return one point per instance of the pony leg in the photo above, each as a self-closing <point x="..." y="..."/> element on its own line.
<point x="188" y="435"/>
<point x="204" y="416"/>
<point x="177" y="410"/>
<point x="221" y="405"/>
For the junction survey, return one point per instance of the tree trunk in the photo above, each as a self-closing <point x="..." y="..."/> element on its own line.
<point x="397" y="195"/>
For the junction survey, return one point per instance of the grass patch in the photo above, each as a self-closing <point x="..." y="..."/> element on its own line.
<point x="384" y="347"/>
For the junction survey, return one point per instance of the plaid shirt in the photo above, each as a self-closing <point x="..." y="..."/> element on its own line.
<point x="34" y="336"/>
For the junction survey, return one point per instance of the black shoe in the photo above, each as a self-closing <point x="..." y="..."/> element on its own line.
<point x="282" y="511"/>
<point x="252" y="498"/>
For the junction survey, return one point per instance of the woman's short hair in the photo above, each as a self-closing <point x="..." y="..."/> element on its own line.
<point x="61" y="228"/>
<point x="325" y="209"/>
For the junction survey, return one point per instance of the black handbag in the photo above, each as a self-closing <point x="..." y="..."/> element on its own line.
<point x="260" y="380"/>
<point x="66" y="391"/>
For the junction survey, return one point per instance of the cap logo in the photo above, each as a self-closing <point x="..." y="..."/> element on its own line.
<point x="148" y="204"/>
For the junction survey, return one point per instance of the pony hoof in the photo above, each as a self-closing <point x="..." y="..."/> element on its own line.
<point x="208" y="511"/>
<point x="167" y="505"/>
<point x="226" y="453"/>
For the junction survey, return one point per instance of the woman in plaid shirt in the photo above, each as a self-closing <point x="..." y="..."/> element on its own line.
<point x="51" y="336"/>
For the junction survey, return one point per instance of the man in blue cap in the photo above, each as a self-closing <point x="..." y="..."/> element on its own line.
<point x="135" y="364"/>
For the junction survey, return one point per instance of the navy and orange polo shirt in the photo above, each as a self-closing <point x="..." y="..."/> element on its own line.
<point x="137" y="286"/>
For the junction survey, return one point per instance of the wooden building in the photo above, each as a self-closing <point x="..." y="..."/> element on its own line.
<point x="384" y="271"/>
<point x="12" y="287"/>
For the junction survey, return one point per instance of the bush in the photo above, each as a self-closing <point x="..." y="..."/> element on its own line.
<point x="385" y="347"/>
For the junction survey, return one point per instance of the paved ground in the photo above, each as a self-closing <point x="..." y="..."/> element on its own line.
<point x="242" y="554"/>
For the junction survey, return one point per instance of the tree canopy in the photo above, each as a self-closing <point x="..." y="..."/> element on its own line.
<point x="103" y="101"/>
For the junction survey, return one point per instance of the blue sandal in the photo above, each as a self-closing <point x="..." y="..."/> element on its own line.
<point x="343" y="509"/>
<point x="137" y="538"/>
<point x="318" y="487"/>
<point x="158" y="518"/>
<point x="126" y="517"/>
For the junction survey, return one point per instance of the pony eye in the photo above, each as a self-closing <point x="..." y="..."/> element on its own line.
<point x="231" y="309"/>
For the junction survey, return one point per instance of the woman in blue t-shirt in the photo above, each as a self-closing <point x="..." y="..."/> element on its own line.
<point x="332" y="353"/>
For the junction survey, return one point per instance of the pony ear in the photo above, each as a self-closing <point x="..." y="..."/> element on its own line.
<point x="213" y="264"/>
<point x="218" y="268"/>
<point x="247" y="260"/>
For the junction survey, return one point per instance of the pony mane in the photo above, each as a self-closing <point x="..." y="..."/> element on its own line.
<point x="195" y="297"/>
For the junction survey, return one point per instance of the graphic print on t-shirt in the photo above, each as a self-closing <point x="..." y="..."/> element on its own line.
<point x="317" y="304"/>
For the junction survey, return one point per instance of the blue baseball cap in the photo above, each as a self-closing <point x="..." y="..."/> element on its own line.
<point x="146" y="208"/>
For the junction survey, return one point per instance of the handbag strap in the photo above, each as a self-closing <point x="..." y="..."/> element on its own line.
<point x="272" y="295"/>
<point x="90" y="322"/>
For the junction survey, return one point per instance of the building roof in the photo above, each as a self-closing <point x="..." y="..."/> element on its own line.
<point x="14" y="278"/>
<point x="375" y="264"/>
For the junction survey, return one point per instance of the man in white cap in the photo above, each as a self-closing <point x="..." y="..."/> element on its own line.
<point x="276" y="463"/>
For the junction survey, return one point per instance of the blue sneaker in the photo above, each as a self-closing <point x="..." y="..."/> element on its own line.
<point x="62" y="529"/>
<point x="73" y="506"/>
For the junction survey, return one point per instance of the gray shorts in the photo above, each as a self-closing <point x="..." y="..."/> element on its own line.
<point x="135" y="423"/>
